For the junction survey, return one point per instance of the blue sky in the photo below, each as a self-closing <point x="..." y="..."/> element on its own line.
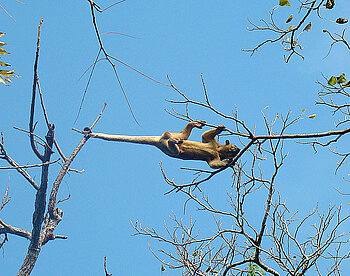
<point x="123" y="182"/>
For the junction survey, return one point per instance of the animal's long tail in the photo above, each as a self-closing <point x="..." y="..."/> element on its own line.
<point x="148" y="140"/>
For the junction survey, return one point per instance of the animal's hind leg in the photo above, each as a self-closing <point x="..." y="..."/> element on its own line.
<point x="173" y="145"/>
<point x="210" y="134"/>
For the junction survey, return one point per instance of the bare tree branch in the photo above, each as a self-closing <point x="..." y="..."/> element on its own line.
<point x="31" y="126"/>
<point x="5" y="156"/>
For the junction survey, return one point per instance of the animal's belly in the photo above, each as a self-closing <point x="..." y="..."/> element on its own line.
<point x="190" y="152"/>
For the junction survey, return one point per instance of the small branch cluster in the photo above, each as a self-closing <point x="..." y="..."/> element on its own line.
<point x="240" y="245"/>
<point x="334" y="94"/>
<point x="296" y="255"/>
<point x="288" y="32"/>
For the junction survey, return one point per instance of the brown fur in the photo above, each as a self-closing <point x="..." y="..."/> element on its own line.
<point x="176" y="144"/>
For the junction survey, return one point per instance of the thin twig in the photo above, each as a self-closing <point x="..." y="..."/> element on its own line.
<point x="42" y="103"/>
<point x="30" y="166"/>
<point x="99" y="115"/>
<point x="105" y="267"/>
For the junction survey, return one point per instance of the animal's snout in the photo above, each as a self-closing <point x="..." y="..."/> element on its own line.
<point x="235" y="149"/>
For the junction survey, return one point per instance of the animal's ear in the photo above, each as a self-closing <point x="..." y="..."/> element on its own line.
<point x="227" y="142"/>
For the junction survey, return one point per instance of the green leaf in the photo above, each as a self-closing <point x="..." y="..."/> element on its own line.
<point x="4" y="64"/>
<point x="2" y="43"/>
<point x="312" y="116"/>
<point x="330" y="4"/>
<point x="3" y="52"/>
<point x="1" y="34"/>
<point x="7" y="73"/>
<point x="289" y="18"/>
<point x="303" y="110"/>
<point x="332" y="81"/>
<point x="341" y="78"/>
<point x="195" y="253"/>
<point x="284" y="3"/>
<point x="307" y="27"/>
<point x="341" y="20"/>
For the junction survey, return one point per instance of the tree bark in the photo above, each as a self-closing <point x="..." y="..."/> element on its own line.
<point x="29" y="262"/>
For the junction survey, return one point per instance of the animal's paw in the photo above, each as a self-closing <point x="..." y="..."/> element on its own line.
<point x="198" y="124"/>
<point x="220" y="127"/>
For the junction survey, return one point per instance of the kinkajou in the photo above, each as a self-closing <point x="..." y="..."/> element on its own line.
<point x="176" y="144"/>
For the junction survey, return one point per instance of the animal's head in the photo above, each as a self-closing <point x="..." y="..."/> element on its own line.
<point x="228" y="151"/>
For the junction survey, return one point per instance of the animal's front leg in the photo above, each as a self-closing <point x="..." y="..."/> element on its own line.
<point x="210" y="134"/>
<point x="217" y="163"/>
